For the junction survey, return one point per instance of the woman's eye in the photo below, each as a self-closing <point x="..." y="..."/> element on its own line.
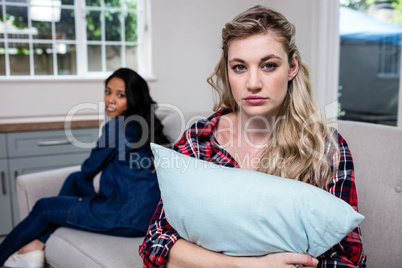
<point x="121" y="95"/>
<point x="270" y="66"/>
<point x="239" y="68"/>
<point x="107" y="92"/>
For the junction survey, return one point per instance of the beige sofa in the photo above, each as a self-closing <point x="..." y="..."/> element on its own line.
<point x="378" y="172"/>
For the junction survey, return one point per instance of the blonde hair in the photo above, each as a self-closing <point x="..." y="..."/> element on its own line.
<point x="301" y="144"/>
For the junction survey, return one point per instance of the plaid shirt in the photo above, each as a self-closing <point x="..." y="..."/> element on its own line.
<point x="199" y="142"/>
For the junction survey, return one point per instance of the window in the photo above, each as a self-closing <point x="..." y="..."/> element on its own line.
<point x="389" y="60"/>
<point x="370" y="57"/>
<point x="60" y="38"/>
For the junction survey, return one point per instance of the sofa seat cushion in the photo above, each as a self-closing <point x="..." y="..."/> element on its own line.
<point x="74" y="248"/>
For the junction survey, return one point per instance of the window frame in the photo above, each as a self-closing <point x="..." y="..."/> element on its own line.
<point x="144" y="49"/>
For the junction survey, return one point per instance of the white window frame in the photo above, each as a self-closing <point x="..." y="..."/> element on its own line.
<point x="144" y="48"/>
<point x="326" y="56"/>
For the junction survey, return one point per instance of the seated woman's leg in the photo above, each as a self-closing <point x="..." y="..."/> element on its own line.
<point x="124" y="232"/>
<point x="47" y="214"/>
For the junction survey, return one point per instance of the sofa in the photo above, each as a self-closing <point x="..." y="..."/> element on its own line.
<point x="378" y="173"/>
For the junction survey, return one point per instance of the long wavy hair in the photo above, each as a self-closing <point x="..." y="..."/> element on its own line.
<point x="139" y="101"/>
<point x="301" y="144"/>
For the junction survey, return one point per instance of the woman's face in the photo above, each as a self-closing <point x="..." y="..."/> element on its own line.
<point x="258" y="72"/>
<point x="115" y="97"/>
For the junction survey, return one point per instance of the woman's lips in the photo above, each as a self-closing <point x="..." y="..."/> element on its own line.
<point x="255" y="99"/>
<point x="111" y="108"/>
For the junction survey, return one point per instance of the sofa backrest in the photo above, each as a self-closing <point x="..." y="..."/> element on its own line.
<point x="376" y="151"/>
<point x="175" y="123"/>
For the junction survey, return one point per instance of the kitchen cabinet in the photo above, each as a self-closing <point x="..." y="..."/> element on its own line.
<point x="33" y="151"/>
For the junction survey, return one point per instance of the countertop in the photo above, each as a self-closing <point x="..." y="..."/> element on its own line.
<point x="49" y="123"/>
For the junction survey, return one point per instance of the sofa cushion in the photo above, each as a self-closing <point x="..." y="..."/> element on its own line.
<point x="74" y="248"/>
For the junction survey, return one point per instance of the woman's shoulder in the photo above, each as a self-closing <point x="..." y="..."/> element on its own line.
<point x="340" y="140"/>
<point x="200" y="132"/>
<point x="206" y="126"/>
<point x="340" y="150"/>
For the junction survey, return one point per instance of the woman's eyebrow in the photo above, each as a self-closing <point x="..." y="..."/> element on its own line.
<point x="237" y="60"/>
<point x="268" y="57"/>
<point x="118" y="90"/>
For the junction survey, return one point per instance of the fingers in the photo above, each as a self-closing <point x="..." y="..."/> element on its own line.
<point x="302" y="260"/>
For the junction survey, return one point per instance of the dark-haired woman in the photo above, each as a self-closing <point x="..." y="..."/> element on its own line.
<point x="128" y="191"/>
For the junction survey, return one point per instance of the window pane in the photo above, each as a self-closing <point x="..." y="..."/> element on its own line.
<point x="66" y="59"/>
<point x="19" y="58"/>
<point x="94" y="58"/>
<point x="113" y="58"/>
<point x="1" y="19"/>
<point x="45" y="10"/>
<point x="131" y="57"/>
<point x="67" y="2"/>
<point x="131" y="3"/>
<point x="130" y="21"/>
<point x="65" y="29"/>
<point x="18" y="17"/>
<point x="44" y="29"/>
<point x="94" y="30"/>
<point x="43" y="59"/>
<point x="2" y="60"/>
<point x="112" y="3"/>
<point x="91" y="3"/>
<point x="112" y="26"/>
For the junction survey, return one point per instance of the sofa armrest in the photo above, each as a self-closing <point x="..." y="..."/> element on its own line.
<point x="32" y="187"/>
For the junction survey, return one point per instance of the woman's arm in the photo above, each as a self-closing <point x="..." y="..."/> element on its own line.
<point x="349" y="252"/>
<point x="159" y="239"/>
<point x="184" y="254"/>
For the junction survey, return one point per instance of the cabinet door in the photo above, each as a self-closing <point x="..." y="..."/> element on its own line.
<point x="3" y="148"/>
<point x="5" y="200"/>
<point x="27" y="165"/>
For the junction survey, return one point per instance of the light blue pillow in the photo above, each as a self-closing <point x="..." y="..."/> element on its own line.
<point x="247" y="213"/>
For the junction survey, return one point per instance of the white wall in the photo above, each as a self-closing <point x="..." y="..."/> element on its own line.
<point x="186" y="47"/>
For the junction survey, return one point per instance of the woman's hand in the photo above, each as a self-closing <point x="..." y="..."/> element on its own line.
<point x="286" y="259"/>
<point x="184" y="254"/>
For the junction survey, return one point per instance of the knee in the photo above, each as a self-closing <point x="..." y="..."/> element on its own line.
<point x="41" y="204"/>
<point x="71" y="182"/>
<point x="72" y="178"/>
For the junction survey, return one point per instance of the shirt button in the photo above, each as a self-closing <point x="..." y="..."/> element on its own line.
<point x="398" y="189"/>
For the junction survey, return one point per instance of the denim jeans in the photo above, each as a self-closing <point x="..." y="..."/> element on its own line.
<point x="50" y="213"/>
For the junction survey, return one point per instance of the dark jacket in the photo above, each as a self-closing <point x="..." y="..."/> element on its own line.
<point x="129" y="191"/>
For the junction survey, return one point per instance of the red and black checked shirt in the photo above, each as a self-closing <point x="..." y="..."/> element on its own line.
<point x="198" y="142"/>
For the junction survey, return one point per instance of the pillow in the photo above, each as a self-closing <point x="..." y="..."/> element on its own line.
<point x="247" y="213"/>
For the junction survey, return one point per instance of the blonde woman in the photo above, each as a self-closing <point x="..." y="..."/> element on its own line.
<point x="266" y="120"/>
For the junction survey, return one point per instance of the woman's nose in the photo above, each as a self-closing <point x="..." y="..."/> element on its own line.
<point x="110" y="99"/>
<point x="254" y="82"/>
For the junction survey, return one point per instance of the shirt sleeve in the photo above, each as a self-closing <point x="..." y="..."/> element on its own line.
<point x="103" y="153"/>
<point x="349" y="252"/>
<point x="158" y="240"/>
<point x="160" y="236"/>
